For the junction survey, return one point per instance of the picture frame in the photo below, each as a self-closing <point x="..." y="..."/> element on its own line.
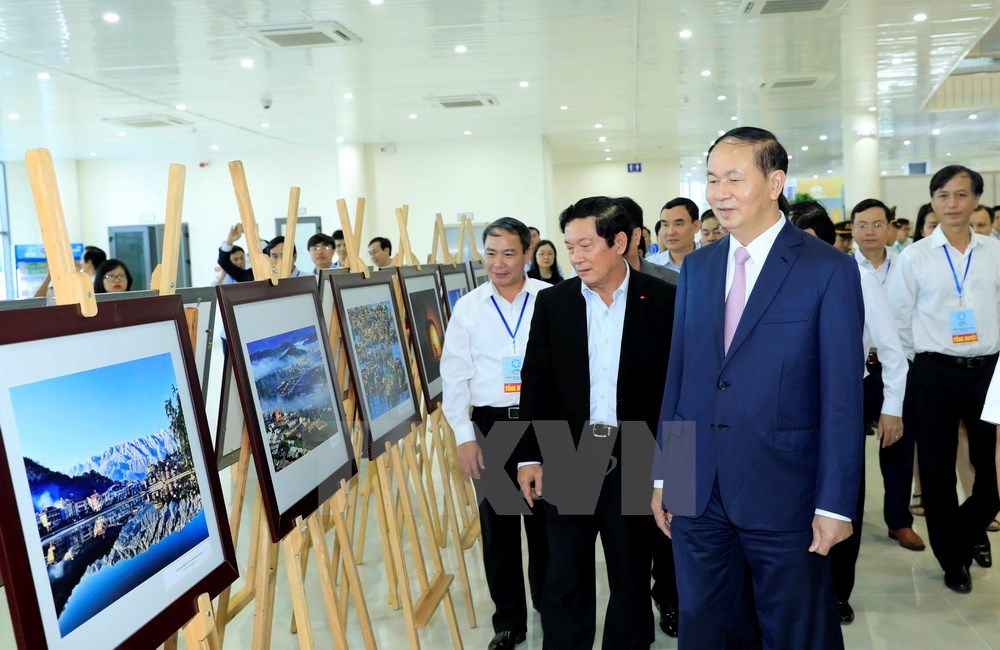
<point x="477" y="273"/>
<point x="229" y="428"/>
<point x="280" y="353"/>
<point x="421" y="290"/>
<point x="375" y="339"/>
<point x="456" y="283"/>
<point x="116" y="530"/>
<point x="204" y="300"/>
<point x="22" y="303"/>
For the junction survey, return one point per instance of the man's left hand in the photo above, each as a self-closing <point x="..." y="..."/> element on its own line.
<point x="827" y="532"/>
<point x="890" y="429"/>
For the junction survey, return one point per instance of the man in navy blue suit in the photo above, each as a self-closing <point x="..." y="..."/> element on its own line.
<point x="761" y="457"/>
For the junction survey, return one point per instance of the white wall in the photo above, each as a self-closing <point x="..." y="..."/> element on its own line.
<point x="21" y="205"/>
<point x="490" y="178"/>
<point x="658" y="182"/>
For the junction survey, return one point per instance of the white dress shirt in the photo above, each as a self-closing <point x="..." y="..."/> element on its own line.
<point x="663" y="259"/>
<point x="885" y="270"/>
<point x="991" y="407"/>
<point x="604" y="349"/>
<point x="922" y="293"/>
<point x="880" y="333"/>
<point x="474" y="349"/>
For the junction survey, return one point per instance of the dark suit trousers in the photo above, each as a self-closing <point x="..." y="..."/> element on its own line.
<point x="844" y="556"/>
<point x="895" y="461"/>
<point x="502" y="553"/>
<point x="938" y="395"/>
<point x="792" y="591"/>
<point x="569" y="606"/>
<point x="664" y="589"/>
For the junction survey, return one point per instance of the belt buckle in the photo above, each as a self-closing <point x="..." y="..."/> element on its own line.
<point x="594" y="428"/>
<point x="975" y="362"/>
<point x="513" y="412"/>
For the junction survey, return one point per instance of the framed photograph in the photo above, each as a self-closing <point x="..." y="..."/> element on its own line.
<point x="202" y="299"/>
<point x="113" y="521"/>
<point x="23" y="303"/>
<point x="229" y="430"/>
<point x="376" y="348"/>
<point x="422" y="292"/>
<point x="477" y="273"/>
<point x="456" y="284"/>
<point x="125" y="295"/>
<point x="280" y="351"/>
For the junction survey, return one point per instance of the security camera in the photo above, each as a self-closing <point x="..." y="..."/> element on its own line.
<point x="265" y="102"/>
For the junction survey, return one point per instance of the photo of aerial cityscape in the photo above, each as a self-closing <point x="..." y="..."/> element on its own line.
<point x="294" y="392"/>
<point x="379" y="355"/>
<point x="116" y="502"/>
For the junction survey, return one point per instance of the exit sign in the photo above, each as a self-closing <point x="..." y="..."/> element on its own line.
<point x="634" y="168"/>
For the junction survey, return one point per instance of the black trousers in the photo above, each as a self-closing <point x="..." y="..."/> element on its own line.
<point x="895" y="461"/>
<point x="664" y="590"/>
<point x="502" y="550"/>
<point x="569" y="608"/>
<point x="844" y="556"/>
<point x="939" y="393"/>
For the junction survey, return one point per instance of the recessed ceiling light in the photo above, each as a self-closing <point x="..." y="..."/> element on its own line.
<point x="602" y="139"/>
<point x="920" y="18"/>
<point x="885" y="173"/>
<point x="461" y="49"/>
<point x="214" y="147"/>
<point x="524" y="84"/>
<point x="789" y="156"/>
<point x="375" y="2"/>
<point x="694" y="169"/>
<point x="906" y="143"/>
<point x="897" y="61"/>
<point x="340" y="139"/>
<point x="721" y="132"/>
<point x="805" y="147"/>
<point x="265" y="125"/>
<point x="93" y="154"/>
<point x="815" y="175"/>
<point x="467" y="132"/>
<point x="973" y="116"/>
<point x="822" y="138"/>
<point x="608" y="158"/>
<point x="948" y="154"/>
<point x="246" y="63"/>
<point x="685" y="33"/>
<point x="348" y="95"/>
<point x="829" y="171"/>
<point x="564" y="107"/>
<point x="721" y="98"/>
<point x="181" y="107"/>
<point x="121" y="134"/>
<point x="706" y="73"/>
<point x="704" y="153"/>
<point x="111" y="17"/>
<point x="936" y="132"/>
<point x="872" y="109"/>
<point x="13" y="116"/>
<point x="734" y="118"/>
<point x="598" y="126"/>
<point x="413" y="116"/>
<point x="43" y="76"/>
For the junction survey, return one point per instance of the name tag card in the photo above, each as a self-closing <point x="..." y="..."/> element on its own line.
<point x="963" y="326"/>
<point x="512" y="374"/>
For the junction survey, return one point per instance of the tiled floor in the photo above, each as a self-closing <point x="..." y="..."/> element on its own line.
<point x="899" y="599"/>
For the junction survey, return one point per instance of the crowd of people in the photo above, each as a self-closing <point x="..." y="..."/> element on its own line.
<point x="784" y="338"/>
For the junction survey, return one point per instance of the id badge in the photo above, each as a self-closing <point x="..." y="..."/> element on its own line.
<point x="963" y="326"/>
<point x="512" y="374"/>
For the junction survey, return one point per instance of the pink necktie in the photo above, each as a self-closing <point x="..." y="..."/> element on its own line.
<point x="737" y="297"/>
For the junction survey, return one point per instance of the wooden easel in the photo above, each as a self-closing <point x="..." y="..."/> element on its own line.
<point x="74" y="287"/>
<point x="467" y="229"/>
<point x="439" y="238"/>
<point x="405" y="256"/>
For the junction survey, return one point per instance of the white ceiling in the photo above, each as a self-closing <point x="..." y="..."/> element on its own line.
<point x="620" y="63"/>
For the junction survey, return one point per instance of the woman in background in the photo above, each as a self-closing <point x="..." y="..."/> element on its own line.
<point x="927" y="221"/>
<point x="112" y="277"/>
<point x="543" y="263"/>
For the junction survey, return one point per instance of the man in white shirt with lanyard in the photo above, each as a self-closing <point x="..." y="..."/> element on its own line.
<point x="480" y="368"/>
<point x="869" y="223"/>
<point x="946" y="298"/>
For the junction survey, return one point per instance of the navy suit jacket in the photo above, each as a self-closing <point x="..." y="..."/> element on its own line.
<point x="778" y="420"/>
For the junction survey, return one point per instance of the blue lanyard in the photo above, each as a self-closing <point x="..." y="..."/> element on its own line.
<point x="513" y="335"/>
<point x="888" y="267"/>
<point x="954" y="275"/>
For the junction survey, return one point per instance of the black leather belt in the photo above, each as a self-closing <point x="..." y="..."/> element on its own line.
<point x="602" y="430"/>
<point x="962" y="362"/>
<point x="499" y="412"/>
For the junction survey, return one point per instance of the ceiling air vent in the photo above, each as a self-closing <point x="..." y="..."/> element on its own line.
<point x="310" y="34"/>
<point x="796" y="83"/>
<point x="147" y="121"/>
<point x="781" y="7"/>
<point x="463" y="101"/>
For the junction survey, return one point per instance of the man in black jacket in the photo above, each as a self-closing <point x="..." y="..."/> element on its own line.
<point x="596" y="360"/>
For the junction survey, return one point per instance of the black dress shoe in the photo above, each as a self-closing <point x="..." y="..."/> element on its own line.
<point x="846" y="612"/>
<point x="958" y="580"/>
<point x="668" y="620"/>
<point x="982" y="555"/>
<point x="506" y="640"/>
